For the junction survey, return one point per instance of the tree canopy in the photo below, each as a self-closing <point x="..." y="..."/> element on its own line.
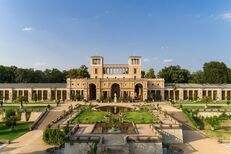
<point x="216" y="72"/>
<point x="175" y="74"/>
<point x="212" y="72"/>
<point x="14" y="74"/>
<point x="150" y="73"/>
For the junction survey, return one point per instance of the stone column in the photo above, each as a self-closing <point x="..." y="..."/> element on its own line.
<point x="61" y="94"/>
<point x="17" y="93"/>
<point x="200" y="93"/>
<point x="162" y="95"/>
<point x="56" y="94"/>
<point x="49" y="94"/>
<point x="30" y="95"/>
<point x="219" y="94"/>
<point x="68" y="94"/>
<point x="11" y="95"/>
<point x="3" y="95"/>
<point x="181" y="93"/>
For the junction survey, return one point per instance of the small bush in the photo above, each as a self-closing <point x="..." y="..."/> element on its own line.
<point x="53" y="136"/>
<point x="27" y="115"/>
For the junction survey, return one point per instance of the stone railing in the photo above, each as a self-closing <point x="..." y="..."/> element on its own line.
<point x="42" y="115"/>
<point x="167" y="126"/>
<point x="60" y="118"/>
<point x="83" y="139"/>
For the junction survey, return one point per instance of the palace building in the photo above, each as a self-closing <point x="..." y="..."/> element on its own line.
<point x="110" y="80"/>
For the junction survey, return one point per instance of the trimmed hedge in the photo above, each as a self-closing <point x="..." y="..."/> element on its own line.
<point x="53" y="136"/>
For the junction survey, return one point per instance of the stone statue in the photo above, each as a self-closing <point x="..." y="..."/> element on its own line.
<point x="115" y="98"/>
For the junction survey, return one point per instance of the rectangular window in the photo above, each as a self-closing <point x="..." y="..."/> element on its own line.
<point x="96" y="71"/>
<point x="135" y="70"/>
<point x="95" y="61"/>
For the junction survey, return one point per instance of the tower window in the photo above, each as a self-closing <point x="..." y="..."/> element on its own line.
<point x="95" y="61"/>
<point x="135" y="71"/>
<point x="96" y="71"/>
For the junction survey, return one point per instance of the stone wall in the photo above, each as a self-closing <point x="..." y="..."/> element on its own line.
<point x="81" y="148"/>
<point x="145" y="148"/>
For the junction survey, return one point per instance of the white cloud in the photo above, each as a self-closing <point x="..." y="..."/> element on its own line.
<point x="226" y="16"/>
<point x="26" y="29"/>
<point x="146" y="60"/>
<point x="168" y="60"/>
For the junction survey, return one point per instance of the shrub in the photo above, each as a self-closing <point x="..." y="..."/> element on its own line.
<point x="19" y="115"/>
<point x="53" y="136"/>
<point x="10" y="113"/>
<point x="190" y="117"/>
<point x="27" y="115"/>
<point x="11" y="121"/>
<point x="214" y="122"/>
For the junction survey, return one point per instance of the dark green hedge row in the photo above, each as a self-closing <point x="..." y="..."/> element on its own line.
<point x="53" y="136"/>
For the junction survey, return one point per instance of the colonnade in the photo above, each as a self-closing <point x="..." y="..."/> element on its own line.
<point x="116" y="70"/>
<point x="33" y="94"/>
<point x="192" y="94"/>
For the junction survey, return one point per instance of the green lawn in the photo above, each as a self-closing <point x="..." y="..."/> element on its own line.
<point x="208" y="107"/>
<point x="89" y="117"/>
<point x="224" y="131"/>
<point x="25" y="107"/>
<point x="8" y="134"/>
<point x="192" y="102"/>
<point x="140" y="117"/>
<point x="38" y="102"/>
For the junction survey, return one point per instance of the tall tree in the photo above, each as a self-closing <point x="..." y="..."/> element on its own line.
<point x="197" y="77"/>
<point x="78" y="73"/>
<point x="175" y="74"/>
<point x="216" y="72"/>
<point x="150" y="73"/>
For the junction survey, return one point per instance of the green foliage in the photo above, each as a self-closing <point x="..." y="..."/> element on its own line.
<point x="216" y="72"/>
<point x="13" y="74"/>
<point x="53" y="136"/>
<point x="10" y="118"/>
<point x="150" y="74"/>
<point x="214" y="122"/>
<point x="78" y="73"/>
<point x="175" y="74"/>
<point x="197" y="77"/>
<point x="27" y="115"/>
<point x="22" y="99"/>
<point x="10" y="113"/>
<point x="190" y="117"/>
<point x="19" y="115"/>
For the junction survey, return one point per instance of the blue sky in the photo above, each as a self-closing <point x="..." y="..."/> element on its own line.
<point x="63" y="34"/>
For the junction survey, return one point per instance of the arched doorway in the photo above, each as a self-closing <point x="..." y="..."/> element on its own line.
<point x="92" y="91"/>
<point x="115" y="89"/>
<point x="139" y="92"/>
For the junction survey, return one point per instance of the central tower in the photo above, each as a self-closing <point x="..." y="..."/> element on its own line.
<point x="132" y="70"/>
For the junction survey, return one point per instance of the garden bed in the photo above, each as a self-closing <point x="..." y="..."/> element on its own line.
<point x="140" y="117"/>
<point x="7" y="133"/>
<point x="89" y="117"/>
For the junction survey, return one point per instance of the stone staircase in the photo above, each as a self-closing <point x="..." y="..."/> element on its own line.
<point x="49" y="117"/>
